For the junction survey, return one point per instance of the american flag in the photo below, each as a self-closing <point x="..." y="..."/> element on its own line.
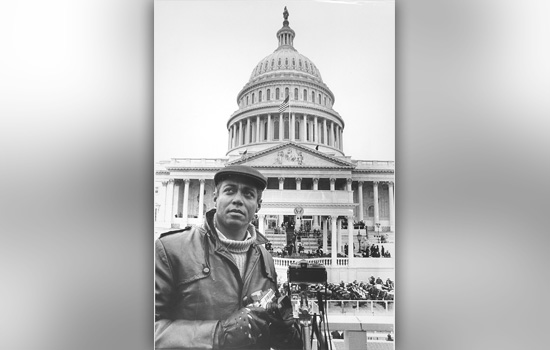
<point x="284" y="105"/>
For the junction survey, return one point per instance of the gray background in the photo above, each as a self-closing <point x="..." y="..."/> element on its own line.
<point x="76" y="144"/>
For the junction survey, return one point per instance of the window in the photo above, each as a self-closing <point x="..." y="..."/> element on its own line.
<point x="276" y="130"/>
<point x="268" y="94"/>
<point x="260" y="97"/>
<point x="296" y="93"/>
<point x="370" y="212"/>
<point x="277" y="93"/>
<point x="312" y="96"/>
<point x="319" y="101"/>
<point x="247" y="100"/>
<point x="293" y="63"/>
<point x="252" y="97"/>
<point x="265" y="130"/>
<point x="297" y="130"/>
<point x="286" y="92"/>
<point x="305" y="95"/>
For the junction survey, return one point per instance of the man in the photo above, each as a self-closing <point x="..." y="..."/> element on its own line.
<point x="208" y="277"/>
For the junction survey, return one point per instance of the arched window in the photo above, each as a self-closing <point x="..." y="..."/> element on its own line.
<point x="252" y="97"/>
<point x="268" y="95"/>
<point x="276" y="130"/>
<point x="277" y="93"/>
<point x="305" y="95"/>
<point x="293" y="63"/>
<point x="247" y="100"/>
<point x="279" y="62"/>
<point x="286" y="61"/>
<point x="260" y="97"/>
<point x="297" y="130"/>
<point x="286" y="128"/>
<point x="325" y="100"/>
<point x="300" y="64"/>
<point x="319" y="101"/>
<point x="370" y="212"/>
<point x="272" y="63"/>
<point x="286" y="92"/>
<point x="307" y="131"/>
<point x="296" y="94"/>
<point x="313" y="96"/>
<point x="265" y="130"/>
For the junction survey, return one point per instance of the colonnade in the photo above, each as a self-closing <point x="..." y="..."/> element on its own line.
<point x="170" y="198"/>
<point x="301" y="127"/>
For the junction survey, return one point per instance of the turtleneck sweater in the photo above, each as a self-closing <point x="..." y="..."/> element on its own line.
<point x="239" y="249"/>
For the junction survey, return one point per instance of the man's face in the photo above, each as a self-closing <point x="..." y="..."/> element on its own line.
<point x="237" y="201"/>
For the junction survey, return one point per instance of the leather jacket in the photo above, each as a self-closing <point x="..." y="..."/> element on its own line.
<point x="197" y="284"/>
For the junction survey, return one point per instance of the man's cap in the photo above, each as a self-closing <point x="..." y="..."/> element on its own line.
<point x="254" y="175"/>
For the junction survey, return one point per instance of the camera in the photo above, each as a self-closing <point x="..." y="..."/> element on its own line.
<point x="304" y="273"/>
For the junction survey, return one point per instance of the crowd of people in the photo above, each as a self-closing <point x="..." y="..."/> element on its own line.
<point x="372" y="251"/>
<point x="373" y="289"/>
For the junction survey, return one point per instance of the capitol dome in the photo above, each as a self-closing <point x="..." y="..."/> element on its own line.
<point x="283" y="60"/>
<point x="309" y="120"/>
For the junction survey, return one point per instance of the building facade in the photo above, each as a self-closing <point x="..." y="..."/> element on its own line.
<point x="313" y="186"/>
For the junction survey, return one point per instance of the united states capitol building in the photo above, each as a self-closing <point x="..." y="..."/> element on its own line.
<point x="313" y="186"/>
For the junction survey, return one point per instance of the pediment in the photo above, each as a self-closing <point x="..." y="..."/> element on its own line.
<point x="292" y="155"/>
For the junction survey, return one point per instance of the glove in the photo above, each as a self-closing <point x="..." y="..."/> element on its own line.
<point x="246" y="326"/>
<point x="284" y="330"/>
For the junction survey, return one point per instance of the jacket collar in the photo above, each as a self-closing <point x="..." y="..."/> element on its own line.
<point x="209" y="227"/>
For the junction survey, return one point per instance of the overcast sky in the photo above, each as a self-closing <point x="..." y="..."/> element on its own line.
<point x="205" y="51"/>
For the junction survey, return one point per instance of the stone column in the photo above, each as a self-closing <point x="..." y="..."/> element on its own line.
<point x="325" y="133"/>
<point x="350" y="191"/>
<point x="350" y="240"/>
<point x="315" y="183"/>
<point x="292" y="126"/>
<point x="258" y="129"/>
<point x="334" y="239"/>
<point x="229" y="138"/>
<point x="162" y="210"/>
<point x="304" y="126"/>
<point x="281" y="183"/>
<point x="316" y="131"/>
<point x="339" y="235"/>
<point x="341" y="139"/>
<point x="392" y="206"/>
<point x="325" y="235"/>
<point x="360" y="195"/>
<point x="176" y="200"/>
<point x="281" y="127"/>
<point x="201" y="199"/>
<point x="269" y="128"/>
<point x="376" y="214"/>
<point x="169" y="201"/>
<point x="185" y="201"/>
<point x="298" y="183"/>
<point x="332" y="182"/>
<point x="247" y="136"/>
<point x="240" y="133"/>
<point x="261" y="223"/>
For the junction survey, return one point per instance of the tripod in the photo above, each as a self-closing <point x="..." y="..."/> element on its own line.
<point x="311" y="320"/>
